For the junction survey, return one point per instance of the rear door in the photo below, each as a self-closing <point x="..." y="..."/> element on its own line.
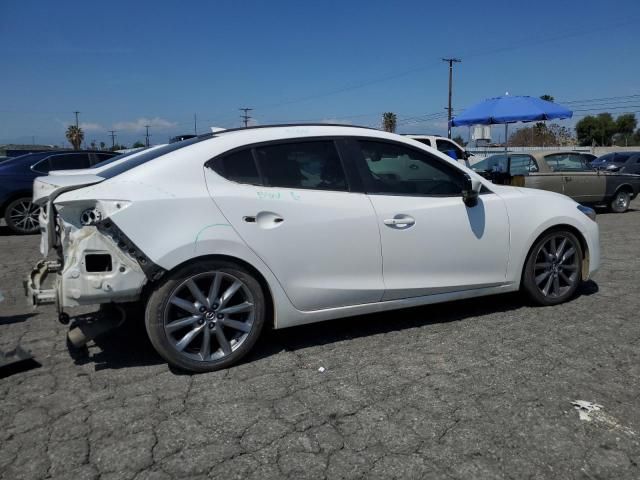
<point x="292" y="204"/>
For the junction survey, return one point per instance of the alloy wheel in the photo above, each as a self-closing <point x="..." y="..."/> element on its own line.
<point x="24" y="216"/>
<point x="556" y="266"/>
<point x="208" y="316"/>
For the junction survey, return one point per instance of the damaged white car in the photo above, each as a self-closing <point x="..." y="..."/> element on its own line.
<point x="225" y="234"/>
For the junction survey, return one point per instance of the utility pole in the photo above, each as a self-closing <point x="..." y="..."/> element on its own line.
<point x="245" y="117"/>
<point x="451" y="61"/>
<point x="76" y="118"/>
<point x="113" y="138"/>
<point x="195" y="124"/>
<point x="147" y="135"/>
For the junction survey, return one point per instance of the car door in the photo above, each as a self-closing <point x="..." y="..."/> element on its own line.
<point x="293" y="206"/>
<point x="580" y="182"/>
<point x="431" y="242"/>
<point x="543" y="176"/>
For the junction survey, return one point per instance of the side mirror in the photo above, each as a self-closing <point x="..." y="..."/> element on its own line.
<point x="613" y="168"/>
<point x="471" y="191"/>
<point x="467" y="154"/>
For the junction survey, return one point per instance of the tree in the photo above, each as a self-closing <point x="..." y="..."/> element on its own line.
<point x="459" y="140"/>
<point x="389" y="122"/>
<point x="542" y="134"/>
<point x="138" y="144"/>
<point x="118" y="147"/>
<point x="625" y="125"/>
<point x="75" y="136"/>
<point x="93" y="145"/>
<point x="102" y="145"/>
<point x="547" y="97"/>
<point x="596" y="130"/>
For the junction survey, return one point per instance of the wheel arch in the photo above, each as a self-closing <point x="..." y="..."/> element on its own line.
<point x="627" y="187"/>
<point x="561" y="226"/>
<point x="264" y="284"/>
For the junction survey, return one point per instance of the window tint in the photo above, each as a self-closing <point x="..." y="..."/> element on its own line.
<point x="401" y="170"/>
<point x="237" y="167"/>
<point x="621" y="158"/>
<point x="69" y="161"/>
<point x="520" y="164"/>
<point x="566" y="162"/>
<point x="449" y="148"/>
<point x="302" y="165"/>
<point x="426" y="141"/>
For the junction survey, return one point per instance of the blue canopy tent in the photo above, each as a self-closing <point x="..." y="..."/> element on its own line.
<point x="510" y="109"/>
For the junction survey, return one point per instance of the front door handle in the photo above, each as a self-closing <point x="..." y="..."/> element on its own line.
<point x="400" y="221"/>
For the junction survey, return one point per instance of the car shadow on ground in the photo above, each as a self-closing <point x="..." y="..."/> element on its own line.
<point x="129" y="346"/>
<point x="15" y="318"/>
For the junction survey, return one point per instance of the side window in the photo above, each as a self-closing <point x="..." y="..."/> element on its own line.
<point x="237" y="167"/>
<point x="314" y="165"/>
<point x="523" y="164"/>
<point x="69" y="161"/>
<point x="396" y="169"/>
<point x="621" y="158"/>
<point x="449" y="148"/>
<point x="565" y="162"/>
<point x="426" y="141"/>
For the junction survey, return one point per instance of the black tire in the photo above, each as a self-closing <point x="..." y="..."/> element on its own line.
<point x="21" y="216"/>
<point x="534" y="280"/>
<point x="620" y="202"/>
<point x="160" y="312"/>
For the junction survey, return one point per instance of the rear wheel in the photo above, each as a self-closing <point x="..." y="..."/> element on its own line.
<point x="620" y="202"/>
<point x="553" y="270"/>
<point x="206" y="316"/>
<point x="21" y="216"/>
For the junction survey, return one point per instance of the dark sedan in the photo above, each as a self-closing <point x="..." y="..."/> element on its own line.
<point x="623" y="162"/>
<point x="16" y="182"/>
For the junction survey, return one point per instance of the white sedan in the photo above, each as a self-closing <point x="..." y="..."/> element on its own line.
<point x="223" y="235"/>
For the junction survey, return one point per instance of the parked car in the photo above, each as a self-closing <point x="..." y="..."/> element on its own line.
<point x="231" y="232"/>
<point x="563" y="172"/>
<point x="16" y="182"/>
<point x="444" y="145"/>
<point x="623" y="162"/>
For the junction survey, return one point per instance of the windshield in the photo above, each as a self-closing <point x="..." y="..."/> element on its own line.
<point x="149" y="155"/>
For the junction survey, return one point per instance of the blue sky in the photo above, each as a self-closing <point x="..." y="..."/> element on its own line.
<point x="125" y="64"/>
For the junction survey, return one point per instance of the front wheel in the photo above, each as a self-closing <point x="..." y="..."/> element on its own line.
<point x="620" y="202"/>
<point x="21" y="216"/>
<point x="206" y="316"/>
<point x="553" y="269"/>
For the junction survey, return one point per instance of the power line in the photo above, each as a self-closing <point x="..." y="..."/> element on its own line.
<point x="113" y="138"/>
<point x="147" y="135"/>
<point x="245" y="116"/>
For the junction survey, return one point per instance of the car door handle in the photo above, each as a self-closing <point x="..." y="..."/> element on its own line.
<point x="400" y="221"/>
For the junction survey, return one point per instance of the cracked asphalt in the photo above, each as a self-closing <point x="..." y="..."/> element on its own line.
<point x="476" y="389"/>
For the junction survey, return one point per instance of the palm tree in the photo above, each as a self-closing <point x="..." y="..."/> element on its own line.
<point x="75" y="135"/>
<point x="389" y="122"/>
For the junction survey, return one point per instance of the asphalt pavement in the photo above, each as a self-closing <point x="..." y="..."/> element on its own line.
<point x="479" y="389"/>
